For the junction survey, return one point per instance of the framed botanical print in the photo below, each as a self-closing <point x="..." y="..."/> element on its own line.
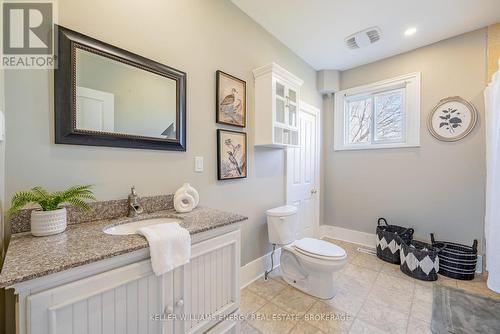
<point x="452" y="119"/>
<point x="231" y="154"/>
<point x="231" y="102"/>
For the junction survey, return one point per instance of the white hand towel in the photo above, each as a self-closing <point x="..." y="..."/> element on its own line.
<point x="169" y="246"/>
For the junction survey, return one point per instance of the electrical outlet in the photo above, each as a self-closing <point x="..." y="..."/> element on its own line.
<point x="198" y="164"/>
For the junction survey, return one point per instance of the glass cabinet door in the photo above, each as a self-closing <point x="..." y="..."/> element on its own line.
<point x="292" y="107"/>
<point x="280" y="90"/>
<point x="280" y="103"/>
<point x="292" y="96"/>
<point x="286" y="113"/>
<point x="280" y="111"/>
<point x="292" y="115"/>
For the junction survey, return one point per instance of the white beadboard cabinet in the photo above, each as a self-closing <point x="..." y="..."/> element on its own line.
<point x="277" y="96"/>
<point x="209" y="284"/>
<point x="193" y="298"/>
<point x="118" y="301"/>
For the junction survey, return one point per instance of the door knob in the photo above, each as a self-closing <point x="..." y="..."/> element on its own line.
<point x="313" y="191"/>
<point x="180" y="303"/>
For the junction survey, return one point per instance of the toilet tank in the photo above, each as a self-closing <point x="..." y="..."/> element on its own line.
<point x="282" y="224"/>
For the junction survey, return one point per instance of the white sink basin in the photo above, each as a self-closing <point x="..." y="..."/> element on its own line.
<point x="131" y="228"/>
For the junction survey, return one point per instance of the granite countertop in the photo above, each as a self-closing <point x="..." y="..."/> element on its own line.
<point x="30" y="257"/>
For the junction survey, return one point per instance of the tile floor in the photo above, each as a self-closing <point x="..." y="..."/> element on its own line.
<point x="373" y="297"/>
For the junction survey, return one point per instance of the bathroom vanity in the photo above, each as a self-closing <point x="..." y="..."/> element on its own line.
<point x="87" y="281"/>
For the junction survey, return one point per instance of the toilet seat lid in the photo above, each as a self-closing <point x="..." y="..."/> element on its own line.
<point x="319" y="247"/>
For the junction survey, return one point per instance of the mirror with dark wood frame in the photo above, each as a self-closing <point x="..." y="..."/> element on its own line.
<point x="106" y="96"/>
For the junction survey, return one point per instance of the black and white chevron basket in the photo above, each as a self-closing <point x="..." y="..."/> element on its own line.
<point x="420" y="260"/>
<point x="389" y="238"/>
<point x="455" y="260"/>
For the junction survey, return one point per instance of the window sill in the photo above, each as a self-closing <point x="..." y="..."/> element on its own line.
<point x="375" y="147"/>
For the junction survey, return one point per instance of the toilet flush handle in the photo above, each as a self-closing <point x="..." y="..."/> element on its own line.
<point x="282" y="218"/>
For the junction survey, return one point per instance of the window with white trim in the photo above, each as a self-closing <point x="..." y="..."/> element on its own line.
<point x="385" y="114"/>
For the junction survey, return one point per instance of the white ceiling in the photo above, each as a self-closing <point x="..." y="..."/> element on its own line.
<point x="316" y="29"/>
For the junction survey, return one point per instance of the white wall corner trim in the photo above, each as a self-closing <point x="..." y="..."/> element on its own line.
<point x="344" y="234"/>
<point x="254" y="270"/>
<point x="480" y="264"/>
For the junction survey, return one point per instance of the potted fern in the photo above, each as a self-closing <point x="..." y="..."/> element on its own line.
<point x="51" y="218"/>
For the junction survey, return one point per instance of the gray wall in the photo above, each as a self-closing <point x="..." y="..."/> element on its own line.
<point x="196" y="36"/>
<point x="438" y="187"/>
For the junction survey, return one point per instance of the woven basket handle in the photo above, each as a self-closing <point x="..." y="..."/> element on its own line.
<point x="382" y="219"/>
<point x="474" y="246"/>
<point x="439" y="249"/>
<point x="433" y="243"/>
<point x="408" y="230"/>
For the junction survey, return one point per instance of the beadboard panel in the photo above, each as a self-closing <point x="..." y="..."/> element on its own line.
<point x="118" y="301"/>
<point x="210" y="287"/>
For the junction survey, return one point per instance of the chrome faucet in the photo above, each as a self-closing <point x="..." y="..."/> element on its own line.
<point x="134" y="208"/>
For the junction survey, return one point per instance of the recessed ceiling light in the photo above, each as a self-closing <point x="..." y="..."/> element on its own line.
<point x="410" y="31"/>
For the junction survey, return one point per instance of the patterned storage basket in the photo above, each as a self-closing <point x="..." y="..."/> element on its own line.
<point x="420" y="260"/>
<point x="389" y="239"/>
<point x="455" y="260"/>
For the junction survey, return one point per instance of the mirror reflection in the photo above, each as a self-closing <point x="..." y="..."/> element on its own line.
<point x="115" y="97"/>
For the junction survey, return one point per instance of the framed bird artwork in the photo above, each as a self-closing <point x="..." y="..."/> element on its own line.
<point x="231" y="100"/>
<point x="231" y="154"/>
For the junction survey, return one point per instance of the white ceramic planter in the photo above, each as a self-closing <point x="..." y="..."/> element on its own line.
<point x="48" y="222"/>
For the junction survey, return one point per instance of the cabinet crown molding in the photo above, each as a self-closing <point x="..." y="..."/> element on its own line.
<point x="277" y="69"/>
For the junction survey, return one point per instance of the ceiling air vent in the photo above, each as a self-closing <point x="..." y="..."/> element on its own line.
<point x="363" y="38"/>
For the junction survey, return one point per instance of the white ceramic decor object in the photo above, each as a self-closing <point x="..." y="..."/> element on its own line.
<point x="183" y="202"/>
<point x="48" y="222"/>
<point x="187" y="188"/>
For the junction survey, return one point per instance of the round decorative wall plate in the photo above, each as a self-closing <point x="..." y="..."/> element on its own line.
<point x="452" y="119"/>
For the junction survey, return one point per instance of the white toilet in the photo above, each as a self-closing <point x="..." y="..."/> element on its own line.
<point x="307" y="264"/>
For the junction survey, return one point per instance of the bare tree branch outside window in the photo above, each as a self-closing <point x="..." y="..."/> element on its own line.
<point x="386" y="108"/>
<point x="389" y="116"/>
<point x="360" y="114"/>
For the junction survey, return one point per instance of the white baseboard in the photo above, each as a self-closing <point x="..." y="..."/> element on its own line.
<point x="479" y="265"/>
<point x="254" y="270"/>
<point x="344" y="234"/>
<point x="365" y="239"/>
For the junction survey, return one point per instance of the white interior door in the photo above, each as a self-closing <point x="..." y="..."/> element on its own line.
<point x="303" y="171"/>
<point x="95" y="110"/>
